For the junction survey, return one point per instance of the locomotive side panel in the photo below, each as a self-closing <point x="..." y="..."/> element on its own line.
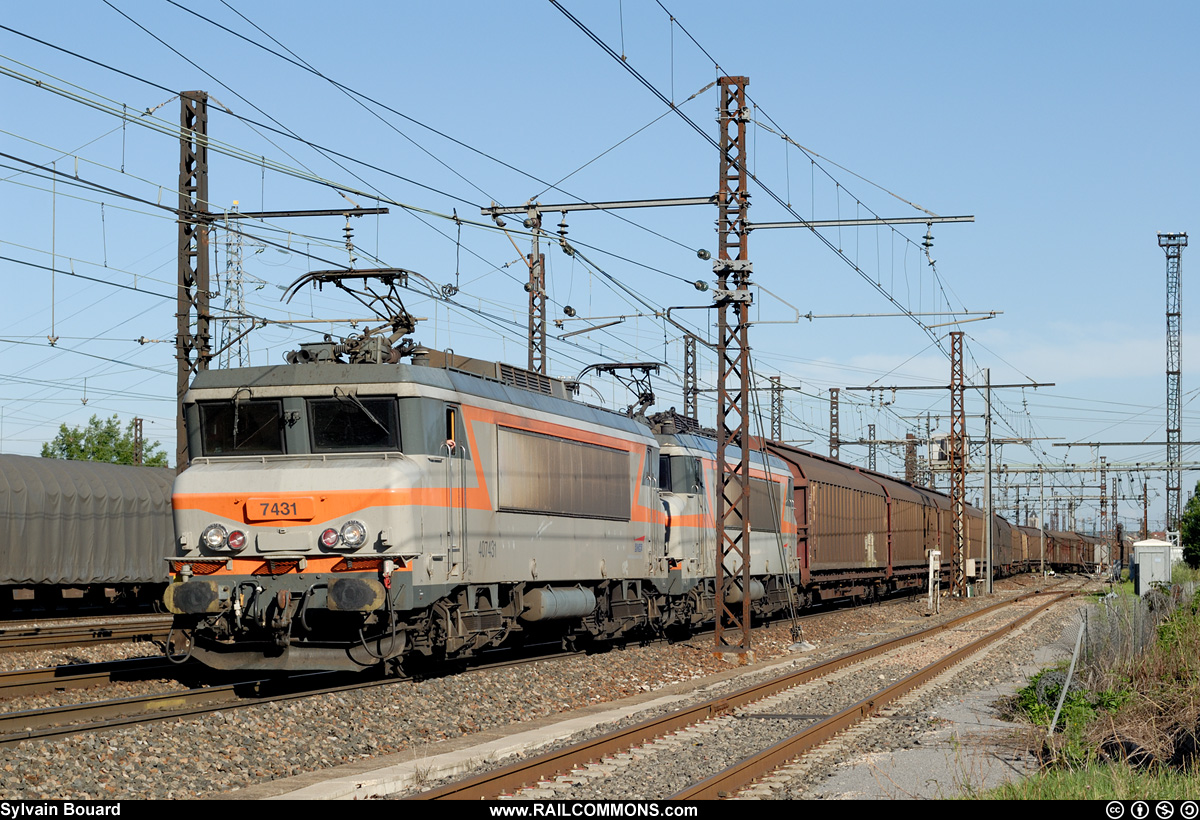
<point x="573" y="509"/>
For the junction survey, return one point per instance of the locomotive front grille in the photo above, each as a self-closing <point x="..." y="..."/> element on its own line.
<point x="199" y="567"/>
<point x="278" y="566"/>
<point x="349" y="564"/>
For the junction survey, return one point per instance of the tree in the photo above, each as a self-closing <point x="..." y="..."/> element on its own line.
<point x="103" y="441"/>
<point x="1189" y="530"/>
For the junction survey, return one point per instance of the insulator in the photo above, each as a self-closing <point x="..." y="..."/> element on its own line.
<point x="700" y="285"/>
<point x="703" y="254"/>
<point x="528" y="287"/>
<point x="569" y="311"/>
<point x="528" y="223"/>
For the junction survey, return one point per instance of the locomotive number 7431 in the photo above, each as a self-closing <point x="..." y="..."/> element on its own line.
<point x="276" y="509"/>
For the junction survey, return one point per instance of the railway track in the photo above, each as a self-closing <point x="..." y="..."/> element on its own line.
<point x="747" y="771"/>
<point x="80" y="718"/>
<point x="21" y="682"/>
<point x="790" y="712"/>
<point x="28" y="637"/>
<point x="364" y="736"/>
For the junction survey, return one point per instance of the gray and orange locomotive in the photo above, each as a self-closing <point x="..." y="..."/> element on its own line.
<point x="337" y="515"/>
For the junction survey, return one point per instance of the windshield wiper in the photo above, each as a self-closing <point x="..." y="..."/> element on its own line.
<point x="344" y="396"/>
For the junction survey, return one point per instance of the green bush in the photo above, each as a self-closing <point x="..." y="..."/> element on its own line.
<point x="1183" y="574"/>
<point x="1038" y="700"/>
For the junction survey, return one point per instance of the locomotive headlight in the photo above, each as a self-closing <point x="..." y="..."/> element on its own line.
<point x="354" y="534"/>
<point x="214" y="537"/>
<point x="330" y="538"/>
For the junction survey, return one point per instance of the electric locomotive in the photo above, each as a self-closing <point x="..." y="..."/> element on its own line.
<point x="339" y="515"/>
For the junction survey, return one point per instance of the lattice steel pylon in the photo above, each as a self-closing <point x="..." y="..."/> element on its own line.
<point x="691" y="390"/>
<point x="193" y="256"/>
<point x="1104" y="498"/>
<point x="835" y="441"/>
<point x="910" y="458"/>
<point x="871" y="447"/>
<point x="733" y="370"/>
<point x="929" y="478"/>
<point x="233" y="351"/>
<point x="776" y="409"/>
<point x="958" y="468"/>
<point x="1173" y="244"/>
<point x="537" y="309"/>
<point x="1145" y="509"/>
<point x="1116" y="525"/>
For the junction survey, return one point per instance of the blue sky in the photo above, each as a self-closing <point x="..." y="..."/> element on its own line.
<point x="1065" y="128"/>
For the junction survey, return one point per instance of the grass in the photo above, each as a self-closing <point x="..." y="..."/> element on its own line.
<point x="1122" y="588"/>
<point x="1100" y="782"/>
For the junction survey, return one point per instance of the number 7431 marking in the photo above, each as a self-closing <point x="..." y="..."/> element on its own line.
<point x="276" y="509"/>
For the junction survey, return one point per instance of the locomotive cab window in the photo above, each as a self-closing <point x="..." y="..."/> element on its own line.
<point x="680" y="474"/>
<point x="455" y="431"/>
<point x="229" y="428"/>
<point x="348" y="423"/>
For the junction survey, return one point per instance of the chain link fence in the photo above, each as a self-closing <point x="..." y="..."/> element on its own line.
<point x="1119" y="628"/>
<point x="1116" y="630"/>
